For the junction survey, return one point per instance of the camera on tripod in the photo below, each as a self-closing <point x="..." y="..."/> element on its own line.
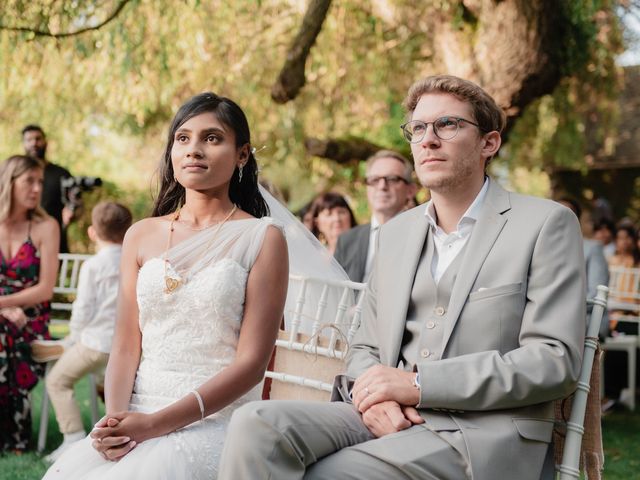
<point x="73" y="187"/>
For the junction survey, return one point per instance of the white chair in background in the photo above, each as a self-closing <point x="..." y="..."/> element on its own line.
<point x="328" y="313"/>
<point x="67" y="285"/>
<point x="624" y="296"/>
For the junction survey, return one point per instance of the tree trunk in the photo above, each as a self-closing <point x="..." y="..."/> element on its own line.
<point x="343" y="150"/>
<point x="509" y="47"/>
<point x="292" y="77"/>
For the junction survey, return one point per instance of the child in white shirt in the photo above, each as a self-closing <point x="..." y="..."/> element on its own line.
<point x="92" y="319"/>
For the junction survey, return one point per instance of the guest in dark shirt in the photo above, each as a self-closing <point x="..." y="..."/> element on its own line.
<point x="34" y="142"/>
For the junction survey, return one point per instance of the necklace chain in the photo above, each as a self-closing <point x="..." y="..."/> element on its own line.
<point x="172" y="283"/>
<point x="194" y="229"/>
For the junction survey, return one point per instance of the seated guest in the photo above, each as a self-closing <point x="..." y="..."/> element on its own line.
<point x="305" y="215"/>
<point x="29" y="240"/>
<point x="595" y="262"/>
<point x="92" y="320"/>
<point x="389" y="190"/>
<point x="605" y="232"/>
<point x="332" y="216"/>
<point x="627" y="255"/>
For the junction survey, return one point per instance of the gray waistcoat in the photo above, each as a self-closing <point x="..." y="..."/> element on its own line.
<point x="427" y="312"/>
<point x="426" y="320"/>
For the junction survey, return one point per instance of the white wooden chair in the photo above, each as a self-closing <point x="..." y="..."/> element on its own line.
<point x="624" y="296"/>
<point x="67" y="285"/>
<point x="570" y="466"/>
<point x="304" y="364"/>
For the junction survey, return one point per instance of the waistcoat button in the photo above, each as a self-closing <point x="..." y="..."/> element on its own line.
<point x="431" y="324"/>
<point x="424" y="353"/>
<point x="439" y="311"/>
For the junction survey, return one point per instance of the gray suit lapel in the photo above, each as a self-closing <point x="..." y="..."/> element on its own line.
<point x="403" y="257"/>
<point x="489" y="225"/>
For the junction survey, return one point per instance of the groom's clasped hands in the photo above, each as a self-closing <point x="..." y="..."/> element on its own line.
<point x="386" y="398"/>
<point x="117" y="434"/>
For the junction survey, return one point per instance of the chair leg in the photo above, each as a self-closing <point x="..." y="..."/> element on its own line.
<point x="44" y="414"/>
<point x="94" y="398"/>
<point x="632" y="378"/>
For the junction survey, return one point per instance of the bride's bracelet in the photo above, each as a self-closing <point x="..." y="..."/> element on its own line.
<point x="200" y="403"/>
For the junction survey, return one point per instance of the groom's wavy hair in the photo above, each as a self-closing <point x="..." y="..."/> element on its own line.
<point x="245" y="194"/>
<point x="486" y="111"/>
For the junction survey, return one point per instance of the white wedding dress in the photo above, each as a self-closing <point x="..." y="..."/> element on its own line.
<point x="188" y="336"/>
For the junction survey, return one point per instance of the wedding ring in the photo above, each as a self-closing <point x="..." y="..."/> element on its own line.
<point x="366" y="389"/>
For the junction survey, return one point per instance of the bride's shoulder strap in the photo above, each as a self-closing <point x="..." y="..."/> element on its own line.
<point x="273" y="222"/>
<point x="249" y="242"/>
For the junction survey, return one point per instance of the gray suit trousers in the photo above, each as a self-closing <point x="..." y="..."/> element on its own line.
<point x="282" y="439"/>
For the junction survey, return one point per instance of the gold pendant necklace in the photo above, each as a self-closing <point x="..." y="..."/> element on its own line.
<point x="172" y="283"/>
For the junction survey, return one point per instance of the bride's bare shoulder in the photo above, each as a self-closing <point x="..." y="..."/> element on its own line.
<point x="147" y="228"/>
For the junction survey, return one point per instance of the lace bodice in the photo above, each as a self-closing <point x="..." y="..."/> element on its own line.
<point x="190" y="334"/>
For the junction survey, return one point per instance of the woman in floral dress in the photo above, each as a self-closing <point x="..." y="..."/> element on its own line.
<point x="29" y="241"/>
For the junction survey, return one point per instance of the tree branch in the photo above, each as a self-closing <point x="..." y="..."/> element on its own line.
<point x="46" y="33"/>
<point x="341" y="150"/>
<point x="291" y="78"/>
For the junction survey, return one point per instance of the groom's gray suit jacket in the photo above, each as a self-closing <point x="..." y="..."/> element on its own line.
<point x="513" y="336"/>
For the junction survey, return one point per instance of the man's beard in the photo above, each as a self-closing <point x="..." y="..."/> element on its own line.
<point x="39" y="153"/>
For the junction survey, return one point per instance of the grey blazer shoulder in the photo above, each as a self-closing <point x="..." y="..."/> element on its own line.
<point x="351" y="251"/>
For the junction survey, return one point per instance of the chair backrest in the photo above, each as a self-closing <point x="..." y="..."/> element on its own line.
<point x="570" y="466"/>
<point x="67" y="284"/>
<point x="305" y="363"/>
<point x="624" y="289"/>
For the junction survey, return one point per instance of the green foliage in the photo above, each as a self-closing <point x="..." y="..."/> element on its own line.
<point x="138" y="201"/>
<point x="579" y="118"/>
<point x="105" y="97"/>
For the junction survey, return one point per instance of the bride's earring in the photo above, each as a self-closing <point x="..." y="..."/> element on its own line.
<point x="240" y="167"/>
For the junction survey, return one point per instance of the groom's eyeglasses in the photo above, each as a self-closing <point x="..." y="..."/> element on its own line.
<point x="445" y="128"/>
<point x="391" y="180"/>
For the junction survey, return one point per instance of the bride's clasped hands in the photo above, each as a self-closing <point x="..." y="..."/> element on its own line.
<point x="116" y="435"/>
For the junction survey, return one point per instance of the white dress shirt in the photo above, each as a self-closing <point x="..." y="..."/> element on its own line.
<point x="371" y="251"/>
<point x="448" y="245"/>
<point x="93" y="315"/>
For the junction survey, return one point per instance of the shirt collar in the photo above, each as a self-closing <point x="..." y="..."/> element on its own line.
<point x="470" y="216"/>
<point x="375" y="224"/>
<point x="107" y="249"/>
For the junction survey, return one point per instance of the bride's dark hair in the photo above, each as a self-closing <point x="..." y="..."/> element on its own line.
<point x="245" y="194"/>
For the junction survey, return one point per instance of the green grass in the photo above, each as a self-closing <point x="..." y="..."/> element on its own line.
<point x="30" y="466"/>
<point x="621" y="431"/>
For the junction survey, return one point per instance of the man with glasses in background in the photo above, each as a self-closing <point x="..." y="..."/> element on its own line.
<point x="389" y="189"/>
<point x="473" y="325"/>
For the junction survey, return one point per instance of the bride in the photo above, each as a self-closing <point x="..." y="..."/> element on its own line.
<point x="202" y="293"/>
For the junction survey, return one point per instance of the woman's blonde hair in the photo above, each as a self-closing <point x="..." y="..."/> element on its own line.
<point x="11" y="169"/>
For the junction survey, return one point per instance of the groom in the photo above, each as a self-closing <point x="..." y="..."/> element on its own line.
<point x="473" y="325"/>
